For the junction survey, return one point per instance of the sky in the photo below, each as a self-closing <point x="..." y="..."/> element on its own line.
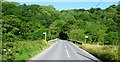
<point x="71" y="4"/>
<point x="64" y="0"/>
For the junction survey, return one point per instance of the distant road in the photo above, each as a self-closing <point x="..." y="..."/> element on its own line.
<point x="64" y="50"/>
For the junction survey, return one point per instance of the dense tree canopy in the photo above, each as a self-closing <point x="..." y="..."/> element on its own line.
<point x="28" y="22"/>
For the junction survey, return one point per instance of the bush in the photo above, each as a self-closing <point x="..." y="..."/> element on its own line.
<point x="106" y="53"/>
<point x="22" y="50"/>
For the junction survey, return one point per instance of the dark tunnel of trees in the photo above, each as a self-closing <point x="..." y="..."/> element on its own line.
<point x="63" y="36"/>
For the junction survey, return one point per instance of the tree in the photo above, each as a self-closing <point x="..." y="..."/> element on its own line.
<point x="11" y="25"/>
<point x="77" y="34"/>
<point x="56" y="27"/>
<point x="28" y="22"/>
<point x="112" y="38"/>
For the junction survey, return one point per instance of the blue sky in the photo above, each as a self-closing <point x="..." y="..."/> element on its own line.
<point x="64" y="0"/>
<point x="73" y="5"/>
<point x="70" y="4"/>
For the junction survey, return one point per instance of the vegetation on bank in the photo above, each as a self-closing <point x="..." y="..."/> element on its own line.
<point x="23" y="50"/>
<point x="106" y="53"/>
<point x="28" y="22"/>
<point x="0" y="51"/>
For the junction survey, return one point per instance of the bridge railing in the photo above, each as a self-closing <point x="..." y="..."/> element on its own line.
<point x="75" y="41"/>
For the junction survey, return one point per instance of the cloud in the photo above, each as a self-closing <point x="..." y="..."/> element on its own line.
<point x="63" y="0"/>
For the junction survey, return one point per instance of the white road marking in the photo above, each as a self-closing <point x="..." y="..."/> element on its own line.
<point x="67" y="53"/>
<point x="65" y="46"/>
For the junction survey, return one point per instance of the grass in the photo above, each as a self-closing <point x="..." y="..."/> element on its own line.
<point x="0" y="50"/>
<point x="23" y="50"/>
<point x="106" y="53"/>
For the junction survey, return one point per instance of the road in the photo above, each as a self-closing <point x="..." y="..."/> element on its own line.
<point x="64" y="50"/>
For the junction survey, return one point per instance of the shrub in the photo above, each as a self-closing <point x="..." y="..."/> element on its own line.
<point x="106" y="53"/>
<point x="22" y="50"/>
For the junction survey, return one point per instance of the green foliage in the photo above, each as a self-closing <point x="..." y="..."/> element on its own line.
<point x="56" y="28"/>
<point x="77" y="34"/>
<point x="22" y="50"/>
<point x="96" y="32"/>
<point x="28" y="22"/>
<point x="10" y="28"/>
<point x="112" y="38"/>
<point x="106" y="53"/>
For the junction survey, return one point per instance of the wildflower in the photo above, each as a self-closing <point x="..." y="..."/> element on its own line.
<point x="9" y="49"/>
<point x="4" y="49"/>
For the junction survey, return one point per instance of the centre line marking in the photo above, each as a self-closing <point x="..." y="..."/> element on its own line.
<point x="67" y="53"/>
<point x="65" y="46"/>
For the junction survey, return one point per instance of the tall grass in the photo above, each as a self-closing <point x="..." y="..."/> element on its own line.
<point x="0" y="50"/>
<point x="23" y="50"/>
<point x="106" y="53"/>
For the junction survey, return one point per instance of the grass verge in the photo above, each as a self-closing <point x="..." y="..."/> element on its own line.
<point x="23" y="50"/>
<point x="0" y="50"/>
<point x="106" y="53"/>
